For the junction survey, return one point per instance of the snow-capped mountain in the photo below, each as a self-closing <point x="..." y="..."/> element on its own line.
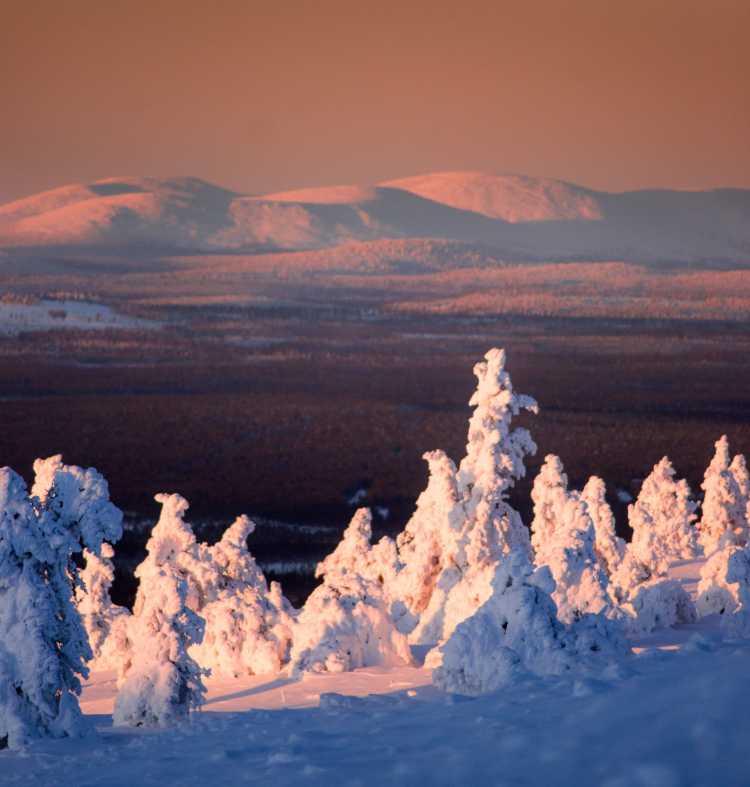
<point x="520" y="217"/>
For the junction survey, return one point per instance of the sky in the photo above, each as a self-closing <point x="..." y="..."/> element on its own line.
<point x="263" y="96"/>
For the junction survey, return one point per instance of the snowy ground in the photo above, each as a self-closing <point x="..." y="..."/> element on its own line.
<point x="677" y="712"/>
<point x="48" y="315"/>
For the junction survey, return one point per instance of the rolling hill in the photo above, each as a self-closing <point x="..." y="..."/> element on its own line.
<point x="518" y="217"/>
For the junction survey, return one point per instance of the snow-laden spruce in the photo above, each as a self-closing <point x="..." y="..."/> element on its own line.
<point x="662" y="520"/>
<point x="248" y="627"/>
<point x="106" y="623"/>
<point x="159" y="682"/>
<point x="517" y="631"/>
<point x="43" y="643"/>
<point x="609" y="548"/>
<point x="723" y="518"/>
<point x="449" y="561"/>
<point x="346" y="622"/>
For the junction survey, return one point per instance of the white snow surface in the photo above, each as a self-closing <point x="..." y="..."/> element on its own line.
<point x="673" y="713"/>
<point x="49" y="315"/>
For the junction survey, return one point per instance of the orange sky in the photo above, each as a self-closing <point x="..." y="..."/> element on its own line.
<point x="262" y="96"/>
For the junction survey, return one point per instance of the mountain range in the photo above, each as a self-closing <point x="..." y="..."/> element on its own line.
<point x="521" y="218"/>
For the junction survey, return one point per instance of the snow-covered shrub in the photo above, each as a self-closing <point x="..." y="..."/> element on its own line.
<point x="160" y="682"/>
<point x="346" y="622"/>
<point x="43" y="643"/>
<point x="609" y="548"/>
<point x="662" y="520"/>
<point x="629" y="574"/>
<point x="580" y="581"/>
<point x="717" y="594"/>
<point x="475" y="525"/>
<point x="722" y="521"/>
<point x="247" y="627"/>
<point x="656" y="604"/>
<point x="517" y="631"/>
<point x="549" y="482"/>
<point x="105" y="622"/>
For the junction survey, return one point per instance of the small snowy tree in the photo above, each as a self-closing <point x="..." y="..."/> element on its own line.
<point x="356" y="555"/>
<point x="346" y="622"/>
<point x="721" y="522"/>
<point x="517" y="631"/>
<point x="739" y="472"/>
<point x="717" y="593"/>
<point x="161" y="683"/>
<point x="609" y="548"/>
<point x="430" y="539"/>
<point x="657" y="604"/>
<point x="550" y="480"/>
<point x="481" y="527"/>
<point x="248" y="628"/>
<point x="580" y="581"/>
<point x="662" y="520"/>
<point x="43" y="643"/>
<point x="105" y="622"/>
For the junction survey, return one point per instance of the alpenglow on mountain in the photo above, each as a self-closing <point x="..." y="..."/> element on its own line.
<point x="521" y="218"/>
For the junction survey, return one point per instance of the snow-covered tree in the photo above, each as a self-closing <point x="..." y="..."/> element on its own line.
<point x="739" y="472"/>
<point x="248" y="628"/>
<point x="43" y="643"/>
<point x="430" y="539"/>
<point x="549" y="482"/>
<point x="717" y="594"/>
<point x="105" y="622"/>
<point x="356" y="555"/>
<point x="722" y="521"/>
<point x="662" y="520"/>
<point x="656" y="604"/>
<point x="580" y="581"/>
<point x="478" y="526"/>
<point x="609" y="548"/>
<point x="346" y="622"/>
<point x="517" y="631"/>
<point x="494" y="459"/>
<point x="160" y="682"/>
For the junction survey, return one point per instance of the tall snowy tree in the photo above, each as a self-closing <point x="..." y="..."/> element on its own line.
<point x="474" y="540"/>
<point x="43" y="643"/>
<point x="609" y="548"/>
<point x="721" y="522"/>
<point x="160" y="682"/>
<point x="662" y="520"/>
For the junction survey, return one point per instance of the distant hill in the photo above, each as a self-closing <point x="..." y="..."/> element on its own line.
<point x="513" y="216"/>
